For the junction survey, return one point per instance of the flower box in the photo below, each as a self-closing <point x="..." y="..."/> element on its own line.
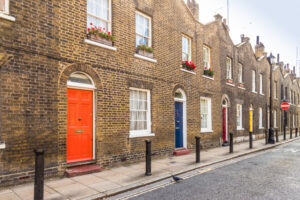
<point x="99" y="39"/>
<point x="144" y="53"/>
<point x="241" y="85"/>
<point x="188" y="65"/>
<point x="208" y="72"/>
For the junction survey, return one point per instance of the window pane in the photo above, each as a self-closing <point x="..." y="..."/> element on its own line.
<point x="138" y="110"/>
<point x="2" y="5"/>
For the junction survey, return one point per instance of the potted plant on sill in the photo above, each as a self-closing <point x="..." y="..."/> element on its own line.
<point x="188" y="65"/>
<point x="99" y="34"/>
<point x="144" y="50"/>
<point x="208" y="72"/>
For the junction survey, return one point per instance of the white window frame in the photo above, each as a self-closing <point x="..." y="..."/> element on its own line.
<point x="260" y="118"/>
<point x="6" y="7"/>
<point x="239" y="109"/>
<point x="293" y="120"/>
<point x="147" y="132"/>
<point x="209" y="118"/>
<point x="228" y="68"/>
<point x="253" y="80"/>
<point x="97" y="17"/>
<point x="189" y="48"/>
<point x="275" y="119"/>
<point x="150" y="28"/>
<point x="240" y="73"/>
<point x="206" y="59"/>
<point x="260" y="84"/>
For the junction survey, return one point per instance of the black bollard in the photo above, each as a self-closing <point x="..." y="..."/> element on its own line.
<point x="266" y="136"/>
<point x="231" y="143"/>
<point x="291" y="133"/>
<point x="148" y="158"/>
<point x="296" y="132"/>
<point x="197" y="149"/>
<point x="250" y="140"/>
<point x="277" y="138"/>
<point x="284" y="133"/>
<point x="39" y="174"/>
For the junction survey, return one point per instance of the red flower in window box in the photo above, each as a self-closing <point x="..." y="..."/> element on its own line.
<point x="99" y="35"/>
<point x="188" y="65"/>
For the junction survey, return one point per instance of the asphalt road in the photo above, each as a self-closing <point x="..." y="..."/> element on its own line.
<point x="270" y="175"/>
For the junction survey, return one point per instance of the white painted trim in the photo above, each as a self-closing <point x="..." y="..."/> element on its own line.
<point x="206" y="131"/>
<point x="189" y="47"/>
<point x="240" y="129"/>
<point x="230" y="84"/>
<point x="147" y="132"/>
<point x="145" y="58"/>
<point x="241" y="116"/>
<point x="208" y="77"/>
<point x="100" y="45"/>
<point x="99" y="18"/>
<point x="7" y="17"/>
<point x="184" y="70"/>
<point x="254" y="92"/>
<point x="2" y="145"/>
<point x="209" y="118"/>
<point x="242" y="88"/>
<point x="184" y="117"/>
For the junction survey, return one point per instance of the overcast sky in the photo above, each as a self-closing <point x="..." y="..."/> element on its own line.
<point x="275" y="21"/>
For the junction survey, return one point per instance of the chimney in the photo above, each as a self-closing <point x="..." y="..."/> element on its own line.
<point x="242" y="37"/>
<point x="218" y="17"/>
<point x="194" y="8"/>
<point x="278" y="58"/>
<point x="259" y="48"/>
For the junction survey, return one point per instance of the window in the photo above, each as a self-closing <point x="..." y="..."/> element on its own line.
<point x="286" y="93"/>
<point x="275" y="89"/>
<point x="229" y="68"/>
<point x="290" y="97"/>
<point x="281" y="92"/>
<point x="240" y="73"/>
<point x="260" y="84"/>
<point x="99" y="14"/>
<point x="140" y="117"/>
<point x="253" y="81"/>
<point x="206" y="57"/>
<point x="205" y="110"/>
<point x="239" y="116"/>
<point x="275" y="119"/>
<point x="4" y="6"/>
<point x="186" y="48"/>
<point x="260" y="118"/>
<point x="143" y="29"/>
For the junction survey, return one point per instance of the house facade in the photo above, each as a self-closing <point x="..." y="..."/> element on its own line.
<point x="89" y="81"/>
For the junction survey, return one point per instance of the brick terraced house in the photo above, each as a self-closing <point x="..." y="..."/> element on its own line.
<point x="90" y="80"/>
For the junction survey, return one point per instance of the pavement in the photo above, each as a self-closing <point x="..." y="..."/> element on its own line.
<point x="268" y="175"/>
<point x="122" y="179"/>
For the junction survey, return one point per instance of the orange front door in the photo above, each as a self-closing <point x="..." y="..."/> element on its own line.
<point x="79" y="125"/>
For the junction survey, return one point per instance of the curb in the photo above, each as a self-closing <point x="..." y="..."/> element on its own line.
<point x="120" y="190"/>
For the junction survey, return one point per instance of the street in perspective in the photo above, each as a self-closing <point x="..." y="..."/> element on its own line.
<point x="149" y="99"/>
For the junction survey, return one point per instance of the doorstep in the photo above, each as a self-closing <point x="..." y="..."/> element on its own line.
<point x="180" y="152"/>
<point x="82" y="170"/>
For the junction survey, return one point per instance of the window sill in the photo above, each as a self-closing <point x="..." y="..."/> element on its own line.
<point x="230" y="84"/>
<point x="240" y="129"/>
<point x="208" y="77"/>
<point x="262" y="94"/>
<point x="261" y="128"/>
<point x="145" y="58"/>
<point x="188" y="71"/>
<point x="2" y="145"/>
<point x="242" y="88"/>
<point x="100" y="45"/>
<point x="136" y="135"/>
<point x="7" y="17"/>
<point x="254" y="92"/>
<point x="206" y="131"/>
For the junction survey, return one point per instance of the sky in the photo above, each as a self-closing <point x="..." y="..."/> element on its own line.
<point x="275" y="21"/>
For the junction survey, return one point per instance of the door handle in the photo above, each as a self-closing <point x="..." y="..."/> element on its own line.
<point x="79" y="131"/>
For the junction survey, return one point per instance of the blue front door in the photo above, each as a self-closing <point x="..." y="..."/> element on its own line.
<point x="178" y="124"/>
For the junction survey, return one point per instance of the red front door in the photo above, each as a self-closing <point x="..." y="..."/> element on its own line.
<point x="79" y="125"/>
<point x="224" y="124"/>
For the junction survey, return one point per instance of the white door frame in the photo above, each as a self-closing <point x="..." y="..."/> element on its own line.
<point x="78" y="86"/>
<point x="184" y="129"/>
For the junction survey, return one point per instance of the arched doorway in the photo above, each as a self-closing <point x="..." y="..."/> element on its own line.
<point x="225" y="105"/>
<point x="80" y="118"/>
<point x="180" y="119"/>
